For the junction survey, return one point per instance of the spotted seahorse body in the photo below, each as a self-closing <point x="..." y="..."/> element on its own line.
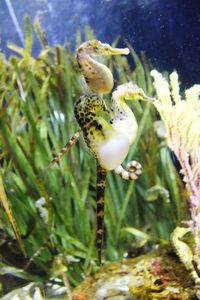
<point x="108" y="139"/>
<point x="96" y="132"/>
<point x="108" y="134"/>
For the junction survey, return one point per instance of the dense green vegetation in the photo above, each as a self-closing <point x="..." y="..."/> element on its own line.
<point x="37" y="96"/>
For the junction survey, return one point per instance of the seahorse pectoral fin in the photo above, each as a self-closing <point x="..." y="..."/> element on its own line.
<point x="101" y="184"/>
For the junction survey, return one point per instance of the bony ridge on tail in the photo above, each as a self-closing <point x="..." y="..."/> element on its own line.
<point x="108" y="139"/>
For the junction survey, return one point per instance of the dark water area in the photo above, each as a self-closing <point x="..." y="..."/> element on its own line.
<point x="168" y="31"/>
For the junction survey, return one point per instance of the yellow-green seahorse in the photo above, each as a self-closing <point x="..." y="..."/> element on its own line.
<point x="107" y="133"/>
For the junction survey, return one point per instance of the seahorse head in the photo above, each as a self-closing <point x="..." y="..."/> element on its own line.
<point x="97" y="76"/>
<point x="131" y="91"/>
<point x="97" y="48"/>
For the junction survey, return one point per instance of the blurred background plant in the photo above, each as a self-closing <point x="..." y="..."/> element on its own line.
<point x="55" y="209"/>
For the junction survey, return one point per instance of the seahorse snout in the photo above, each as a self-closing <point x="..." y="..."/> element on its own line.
<point x="116" y="51"/>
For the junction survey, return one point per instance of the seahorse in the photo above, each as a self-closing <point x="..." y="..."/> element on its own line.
<point x="100" y="80"/>
<point x="108" y="141"/>
<point x="97" y="76"/>
<point x="185" y="253"/>
<point x="107" y="133"/>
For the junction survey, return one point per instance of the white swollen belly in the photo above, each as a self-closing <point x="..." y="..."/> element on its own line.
<point x="127" y="127"/>
<point x="112" y="152"/>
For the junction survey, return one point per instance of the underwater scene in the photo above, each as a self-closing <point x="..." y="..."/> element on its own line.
<point x="99" y="150"/>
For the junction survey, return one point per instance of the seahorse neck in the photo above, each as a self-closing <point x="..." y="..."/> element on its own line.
<point x="123" y="119"/>
<point x="118" y="103"/>
<point x="98" y="77"/>
<point x="85" y="61"/>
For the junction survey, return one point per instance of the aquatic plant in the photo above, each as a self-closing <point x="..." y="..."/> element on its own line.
<point x="181" y="116"/>
<point x="155" y="275"/>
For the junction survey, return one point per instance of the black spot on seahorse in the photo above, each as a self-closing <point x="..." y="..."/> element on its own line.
<point x="80" y="49"/>
<point x="98" y="126"/>
<point x="79" y="65"/>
